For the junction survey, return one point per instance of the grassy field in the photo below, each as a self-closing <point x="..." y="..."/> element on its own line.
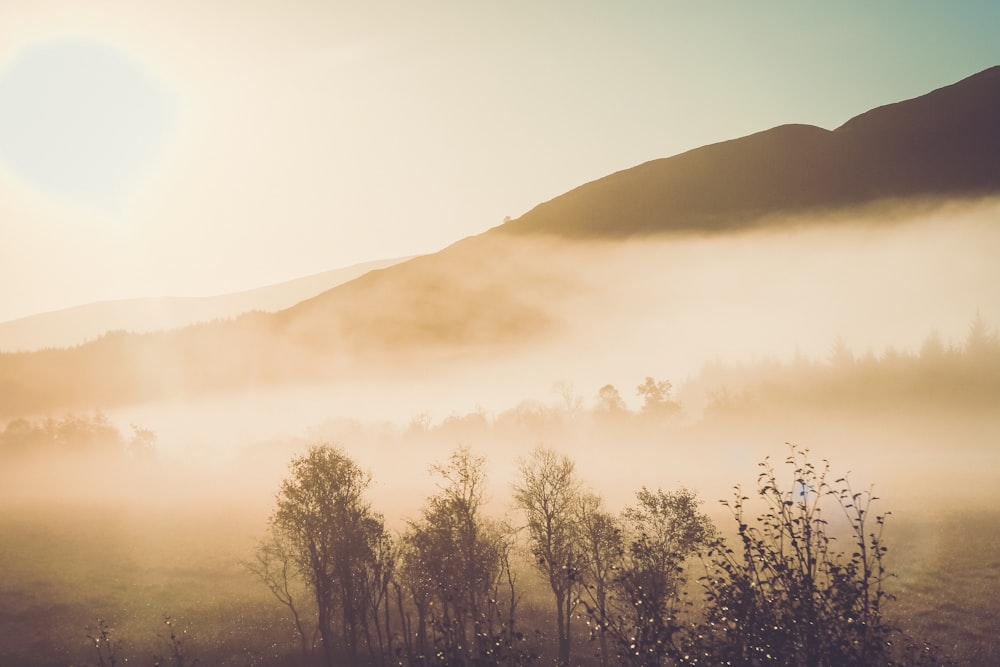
<point x="948" y="581"/>
<point x="65" y="567"/>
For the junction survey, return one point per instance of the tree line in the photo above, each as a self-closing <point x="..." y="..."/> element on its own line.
<point x="656" y="584"/>
<point x="90" y="435"/>
<point x="939" y="375"/>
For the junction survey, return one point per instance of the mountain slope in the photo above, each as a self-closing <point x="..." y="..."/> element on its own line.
<point x="510" y="287"/>
<point x="490" y="288"/>
<point x="943" y="144"/>
<point x="73" y="326"/>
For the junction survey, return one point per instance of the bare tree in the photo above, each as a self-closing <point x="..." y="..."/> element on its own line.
<point x="548" y="493"/>
<point x="602" y="549"/>
<point x="411" y="580"/>
<point x="377" y="575"/>
<point x="572" y="402"/>
<point x="455" y="561"/>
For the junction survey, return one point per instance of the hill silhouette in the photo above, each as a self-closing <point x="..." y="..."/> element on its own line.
<point x="943" y="144"/>
<point x="496" y="290"/>
<point x="489" y="288"/>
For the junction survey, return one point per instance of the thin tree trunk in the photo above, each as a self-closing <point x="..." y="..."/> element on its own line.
<point x="350" y="630"/>
<point x="561" y="629"/>
<point x="511" y="638"/>
<point x="325" y="635"/>
<point x="567" y="619"/>
<point x="298" y="626"/>
<point x="404" y="623"/>
<point x="602" y="610"/>
<point x="388" y="626"/>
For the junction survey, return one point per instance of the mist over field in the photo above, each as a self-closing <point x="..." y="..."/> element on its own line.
<point x="617" y="311"/>
<point x="821" y="334"/>
<point x="742" y="401"/>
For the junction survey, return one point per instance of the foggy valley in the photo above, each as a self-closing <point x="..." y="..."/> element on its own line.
<point x="840" y="360"/>
<point x="740" y="405"/>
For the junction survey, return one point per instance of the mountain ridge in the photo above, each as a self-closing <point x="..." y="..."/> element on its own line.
<point x="495" y="291"/>
<point x="945" y="143"/>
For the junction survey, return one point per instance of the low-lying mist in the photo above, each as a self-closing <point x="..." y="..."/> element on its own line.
<point x="666" y="305"/>
<point x="663" y="306"/>
<point x="870" y="342"/>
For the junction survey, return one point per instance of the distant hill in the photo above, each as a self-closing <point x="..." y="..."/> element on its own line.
<point x="73" y="326"/>
<point x="498" y="290"/>
<point x="943" y="144"/>
<point x="487" y="289"/>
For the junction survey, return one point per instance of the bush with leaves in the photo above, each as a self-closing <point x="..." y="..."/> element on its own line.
<point x="785" y="594"/>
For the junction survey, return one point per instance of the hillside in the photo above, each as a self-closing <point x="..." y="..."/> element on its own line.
<point x="943" y="144"/>
<point x="547" y="275"/>
<point x="492" y="288"/>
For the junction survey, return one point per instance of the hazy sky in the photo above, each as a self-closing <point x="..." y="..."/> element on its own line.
<point x="195" y="148"/>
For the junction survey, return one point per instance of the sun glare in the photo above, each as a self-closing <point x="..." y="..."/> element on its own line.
<point x="82" y="123"/>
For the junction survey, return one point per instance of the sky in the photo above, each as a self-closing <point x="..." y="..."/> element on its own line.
<point x="181" y="148"/>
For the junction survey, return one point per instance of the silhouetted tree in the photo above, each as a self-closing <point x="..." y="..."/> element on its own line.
<point x="455" y="561"/>
<point x="548" y="493"/>
<point x="609" y="401"/>
<point x="142" y="444"/>
<point x="656" y="399"/>
<point x="664" y="529"/>
<point x="377" y="574"/>
<point x="572" y="402"/>
<point x="981" y="340"/>
<point x="332" y="531"/>
<point x="841" y="354"/>
<point x="602" y="550"/>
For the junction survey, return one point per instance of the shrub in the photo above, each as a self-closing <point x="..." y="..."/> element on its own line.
<point x="786" y="595"/>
